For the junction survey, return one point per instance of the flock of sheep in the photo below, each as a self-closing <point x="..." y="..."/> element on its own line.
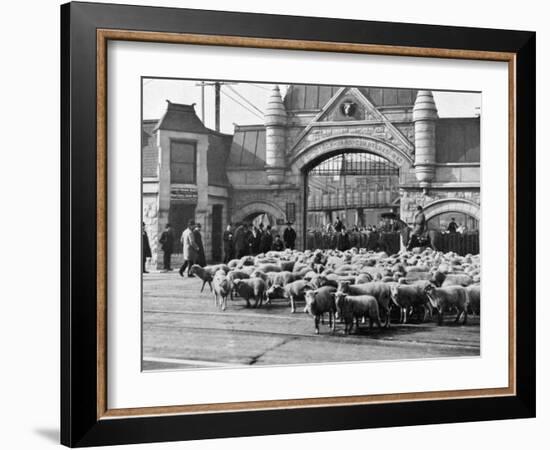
<point x="353" y="285"/>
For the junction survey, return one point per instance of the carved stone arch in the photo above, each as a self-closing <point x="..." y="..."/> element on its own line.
<point x="338" y="144"/>
<point x="456" y="205"/>
<point x="260" y="207"/>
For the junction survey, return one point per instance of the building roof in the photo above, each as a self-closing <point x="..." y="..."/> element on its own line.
<point x="314" y="97"/>
<point x="248" y="147"/>
<point x="219" y="146"/>
<point x="149" y="150"/>
<point x="458" y="139"/>
<point x="180" y="117"/>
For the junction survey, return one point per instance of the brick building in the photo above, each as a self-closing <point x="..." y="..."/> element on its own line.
<point x="272" y="169"/>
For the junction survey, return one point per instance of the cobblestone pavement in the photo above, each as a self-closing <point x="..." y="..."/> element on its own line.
<point x="183" y="329"/>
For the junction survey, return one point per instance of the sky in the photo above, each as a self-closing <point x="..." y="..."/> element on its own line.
<point x="235" y="110"/>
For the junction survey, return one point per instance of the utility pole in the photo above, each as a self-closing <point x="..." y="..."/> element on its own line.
<point x="202" y="102"/>
<point x="217" y="88"/>
<point x="217" y="108"/>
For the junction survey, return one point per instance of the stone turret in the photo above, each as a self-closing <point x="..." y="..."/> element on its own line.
<point x="275" y="140"/>
<point x="424" y="117"/>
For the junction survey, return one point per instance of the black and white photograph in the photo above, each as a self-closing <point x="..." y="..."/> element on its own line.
<point x="291" y="224"/>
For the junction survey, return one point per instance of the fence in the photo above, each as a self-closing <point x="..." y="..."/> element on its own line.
<point x="390" y="242"/>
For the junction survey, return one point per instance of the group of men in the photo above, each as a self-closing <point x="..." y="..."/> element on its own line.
<point x="243" y="240"/>
<point x="247" y="239"/>
<point x="191" y="239"/>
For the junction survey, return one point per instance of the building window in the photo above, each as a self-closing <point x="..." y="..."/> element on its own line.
<point x="183" y="162"/>
<point x="291" y="212"/>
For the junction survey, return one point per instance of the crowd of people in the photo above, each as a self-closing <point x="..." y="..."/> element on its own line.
<point x="241" y="240"/>
<point x="245" y="239"/>
<point x="248" y="239"/>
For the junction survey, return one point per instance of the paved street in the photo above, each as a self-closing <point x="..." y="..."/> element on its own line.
<point x="183" y="329"/>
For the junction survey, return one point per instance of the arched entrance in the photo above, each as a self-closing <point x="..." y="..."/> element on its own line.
<point x="440" y="212"/>
<point x="257" y="212"/>
<point x="352" y="186"/>
<point x="383" y="166"/>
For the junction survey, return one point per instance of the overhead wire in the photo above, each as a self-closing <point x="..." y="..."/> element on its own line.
<point x="243" y="106"/>
<point x="232" y="89"/>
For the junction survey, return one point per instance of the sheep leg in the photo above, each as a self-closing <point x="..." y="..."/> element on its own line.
<point x="210" y="284"/>
<point x="465" y="321"/>
<point x="459" y="313"/>
<point x="387" y="319"/>
<point x="224" y="302"/>
<point x="203" y="283"/>
<point x="316" y="319"/>
<point x="292" y="306"/>
<point x="440" y="316"/>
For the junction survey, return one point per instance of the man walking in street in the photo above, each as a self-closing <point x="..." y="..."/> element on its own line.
<point x="289" y="236"/>
<point x="190" y="248"/>
<point x="167" y="242"/>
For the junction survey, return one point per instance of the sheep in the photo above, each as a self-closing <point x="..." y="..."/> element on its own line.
<point x="446" y="297"/>
<point x="251" y="288"/>
<point x="296" y="291"/>
<point x="355" y="307"/>
<point x="203" y="274"/>
<point x="379" y="290"/>
<point x="222" y="289"/>
<point x="474" y="294"/>
<point x="406" y="297"/>
<point x="319" y="302"/>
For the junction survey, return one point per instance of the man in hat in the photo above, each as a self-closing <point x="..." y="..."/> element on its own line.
<point x="167" y="242"/>
<point x="145" y="247"/>
<point x="190" y="248"/>
<point x="267" y="240"/>
<point x="419" y="228"/>
<point x="201" y="258"/>
<point x="289" y="236"/>
<point x="453" y="226"/>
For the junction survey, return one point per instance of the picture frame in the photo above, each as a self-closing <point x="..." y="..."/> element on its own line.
<point x="86" y="28"/>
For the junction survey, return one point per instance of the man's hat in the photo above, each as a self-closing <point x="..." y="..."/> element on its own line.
<point x="191" y="223"/>
<point x="289" y="223"/>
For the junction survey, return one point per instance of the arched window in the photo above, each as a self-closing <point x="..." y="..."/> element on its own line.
<point x="441" y="221"/>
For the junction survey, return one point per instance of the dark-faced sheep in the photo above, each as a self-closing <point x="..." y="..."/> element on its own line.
<point x="319" y="302"/>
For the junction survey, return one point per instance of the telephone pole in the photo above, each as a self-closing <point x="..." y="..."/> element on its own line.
<point x="217" y="108"/>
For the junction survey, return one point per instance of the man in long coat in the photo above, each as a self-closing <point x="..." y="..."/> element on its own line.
<point x="254" y="241"/>
<point x="190" y="248"/>
<point x="267" y="240"/>
<point x="145" y="247"/>
<point x="240" y="241"/>
<point x="289" y="236"/>
<point x="201" y="258"/>
<point x="167" y="242"/>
